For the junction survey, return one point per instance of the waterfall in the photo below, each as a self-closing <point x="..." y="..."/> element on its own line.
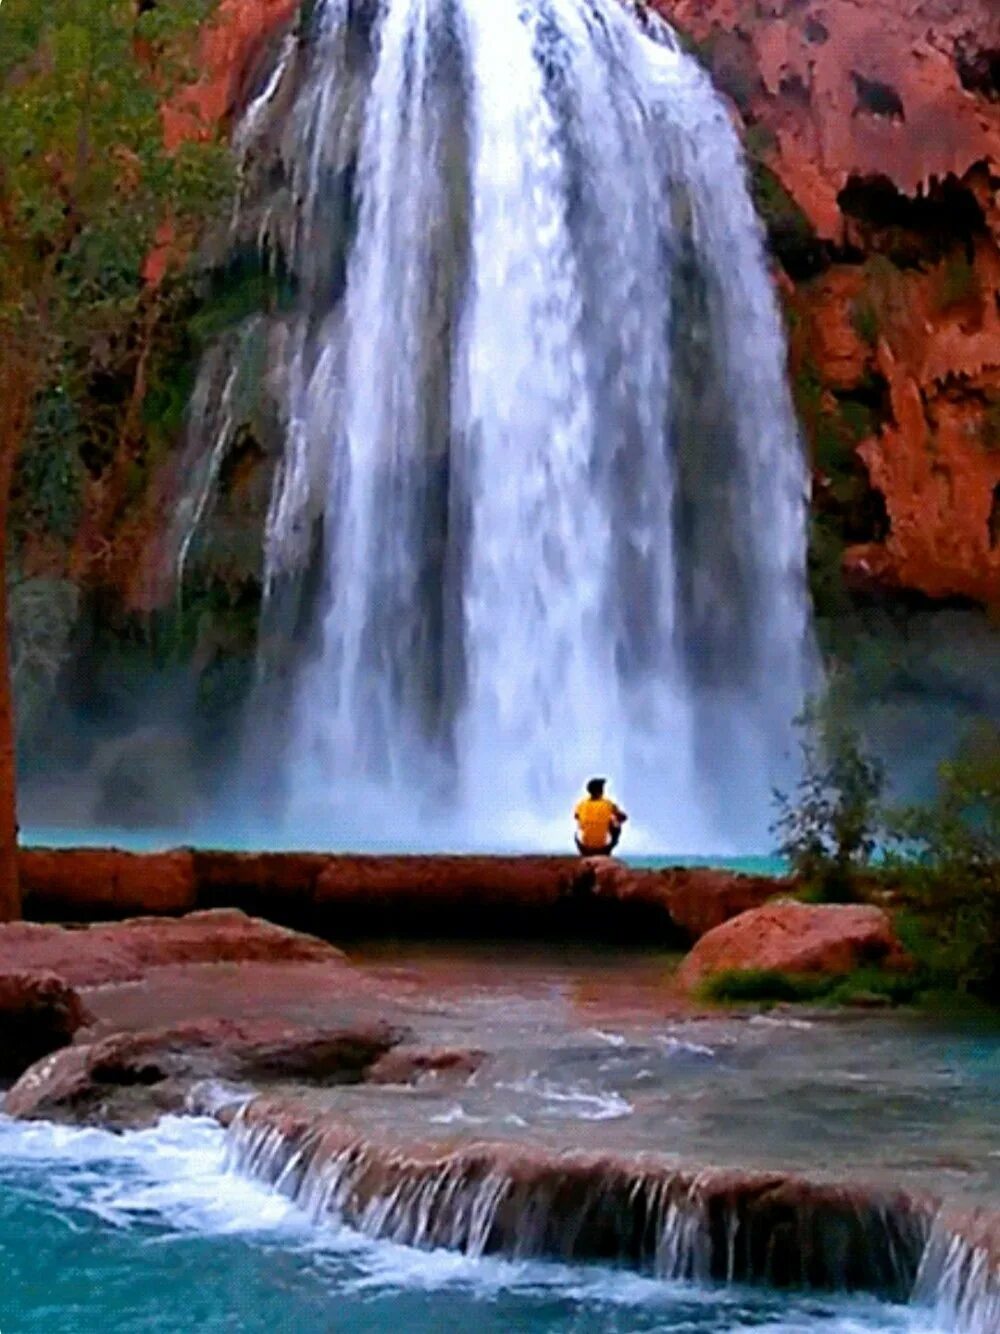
<point x="959" y="1274"/>
<point x="508" y="1199"/>
<point x="539" y="510"/>
<point x="709" y="1225"/>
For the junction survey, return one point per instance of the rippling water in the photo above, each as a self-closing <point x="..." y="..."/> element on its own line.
<point x="148" y="1232"/>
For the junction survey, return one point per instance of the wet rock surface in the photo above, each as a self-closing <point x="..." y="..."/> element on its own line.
<point x="170" y="1002"/>
<point x="131" y="1079"/>
<point x="694" y="899"/>
<point x="794" y="937"/>
<point x="39" y="1013"/>
<point x="125" y="951"/>
<point x="682" y="1222"/>
<point x="427" y="896"/>
<point x="565" y="1104"/>
<point x="536" y="1047"/>
<point x="413" y="1065"/>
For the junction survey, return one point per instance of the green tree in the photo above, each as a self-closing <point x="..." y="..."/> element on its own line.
<point x="831" y="825"/>
<point x="949" y="862"/>
<point x="88" y="189"/>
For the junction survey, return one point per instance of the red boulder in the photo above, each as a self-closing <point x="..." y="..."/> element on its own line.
<point x="39" y="1013"/>
<point x="124" y="951"/>
<point x="792" y="937"/>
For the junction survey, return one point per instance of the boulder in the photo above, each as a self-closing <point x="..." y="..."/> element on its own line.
<point x="415" y="1065"/>
<point x="39" y="1013"/>
<point x="695" y="898"/>
<point x="131" y="1079"/>
<point x="792" y="937"/>
<point x="125" y="951"/>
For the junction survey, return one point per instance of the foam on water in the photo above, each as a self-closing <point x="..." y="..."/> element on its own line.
<point x="173" y="1173"/>
<point x="169" y="1186"/>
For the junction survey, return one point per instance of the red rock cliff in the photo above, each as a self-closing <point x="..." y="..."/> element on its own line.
<point x="231" y="47"/>
<point x="880" y="123"/>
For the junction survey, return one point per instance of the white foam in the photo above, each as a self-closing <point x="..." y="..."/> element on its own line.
<point x="682" y="1046"/>
<point x="457" y="1115"/>
<point x="573" y="1103"/>
<point x="174" y="1175"/>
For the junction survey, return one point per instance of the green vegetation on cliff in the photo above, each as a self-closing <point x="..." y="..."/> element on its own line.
<point x="88" y="192"/>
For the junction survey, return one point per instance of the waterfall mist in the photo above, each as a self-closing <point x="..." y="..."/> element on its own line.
<point x="539" y="510"/>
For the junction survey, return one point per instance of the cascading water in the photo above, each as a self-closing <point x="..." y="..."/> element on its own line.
<point x="707" y="1226"/>
<point x="541" y="498"/>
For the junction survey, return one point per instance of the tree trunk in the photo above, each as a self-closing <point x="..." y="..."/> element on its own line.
<point x="15" y="398"/>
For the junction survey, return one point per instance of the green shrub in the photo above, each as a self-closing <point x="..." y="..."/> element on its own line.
<point x="42" y="617"/>
<point x="771" y="985"/>
<point x="49" y="479"/>
<point x="765" y="984"/>
<point x="779" y="212"/>
<point x="896" y="988"/>
<point x="830" y="827"/>
<point x="947" y="865"/>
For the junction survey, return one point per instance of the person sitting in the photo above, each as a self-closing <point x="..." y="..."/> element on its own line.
<point x="598" y="822"/>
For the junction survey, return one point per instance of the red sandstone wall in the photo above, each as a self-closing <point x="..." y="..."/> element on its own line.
<point x="838" y="93"/>
<point x="230" y="46"/>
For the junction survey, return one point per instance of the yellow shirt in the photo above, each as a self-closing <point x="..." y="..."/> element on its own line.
<point x="595" y="816"/>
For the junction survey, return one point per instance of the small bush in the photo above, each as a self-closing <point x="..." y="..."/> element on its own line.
<point x="770" y="986"/>
<point x="896" y="988"/>
<point x="49" y="479"/>
<point x="765" y="984"/>
<point x="947" y="865"/>
<point x="830" y="827"/>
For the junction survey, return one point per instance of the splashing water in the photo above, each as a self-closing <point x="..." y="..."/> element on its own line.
<point x="147" y="1230"/>
<point x="540" y="501"/>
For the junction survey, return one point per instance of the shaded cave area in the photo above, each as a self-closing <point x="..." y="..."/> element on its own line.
<point x="979" y="69"/>
<point x="911" y="231"/>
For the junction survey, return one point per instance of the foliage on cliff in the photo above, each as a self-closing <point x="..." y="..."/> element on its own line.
<point x="87" y="190"/>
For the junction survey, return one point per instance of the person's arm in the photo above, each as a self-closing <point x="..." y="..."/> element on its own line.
<point x="620" y="815"/>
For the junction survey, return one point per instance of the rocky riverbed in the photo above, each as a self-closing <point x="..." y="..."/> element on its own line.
<point x="566" y="1102"/>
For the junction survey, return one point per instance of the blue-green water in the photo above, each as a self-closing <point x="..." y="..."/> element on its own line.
<point x="148" y="1233"/>
<point x="243" y="840"/>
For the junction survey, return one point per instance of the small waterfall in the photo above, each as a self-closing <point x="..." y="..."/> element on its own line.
<point x="539" y="505"/>
<point x="959" y="1276"/>
<point x="507" y="1199"/>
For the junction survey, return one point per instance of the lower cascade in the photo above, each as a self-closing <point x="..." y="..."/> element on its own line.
<point x="716" y="1225"/>
<point x="538" y="505"/>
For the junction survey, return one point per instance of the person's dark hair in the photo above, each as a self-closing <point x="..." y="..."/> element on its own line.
<point x="596" y="787"/>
